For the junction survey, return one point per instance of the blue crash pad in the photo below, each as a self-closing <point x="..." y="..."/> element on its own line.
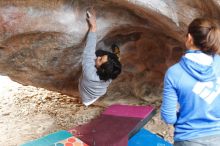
<point x="146" y="138"/>
<point x="49" y="139"/>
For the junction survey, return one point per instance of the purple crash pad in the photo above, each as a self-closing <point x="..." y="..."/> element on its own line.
<point x="144" y="113"/>
<point x="129" y="111"/>
<point x="106" y="131"/>
<point x="115" y="126"/>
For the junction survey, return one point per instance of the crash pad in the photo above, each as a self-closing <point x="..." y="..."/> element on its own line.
<point x="145" y="113"/>
<point x="49" y="139"/>
<point x="71" y="141"/>
<point x="129" y="111"/>
<point x="114" y="128"/>
<point x="146" y="138"/>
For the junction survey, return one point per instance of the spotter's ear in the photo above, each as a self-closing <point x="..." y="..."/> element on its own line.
<point x="190" y="39"/>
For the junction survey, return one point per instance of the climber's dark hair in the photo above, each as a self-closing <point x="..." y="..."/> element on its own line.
<point x="206" y="35"/>
<point x="110" y="69"/>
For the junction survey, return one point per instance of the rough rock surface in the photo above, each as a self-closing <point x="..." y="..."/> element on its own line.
<point x="41" y="41"/>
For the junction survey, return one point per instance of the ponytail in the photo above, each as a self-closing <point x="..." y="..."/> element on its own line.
<point x="213" y="39"/>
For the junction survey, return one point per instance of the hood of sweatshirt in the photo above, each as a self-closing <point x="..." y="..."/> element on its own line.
<point x="198" y="65"/>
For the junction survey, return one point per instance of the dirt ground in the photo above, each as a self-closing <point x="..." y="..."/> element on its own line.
<point x="27" y="113"/>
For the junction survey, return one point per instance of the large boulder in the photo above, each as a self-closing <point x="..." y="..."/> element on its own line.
<point x="41" y="41"/>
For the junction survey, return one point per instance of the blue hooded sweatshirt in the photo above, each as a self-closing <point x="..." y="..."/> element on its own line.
<point x="191" y="96"/>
